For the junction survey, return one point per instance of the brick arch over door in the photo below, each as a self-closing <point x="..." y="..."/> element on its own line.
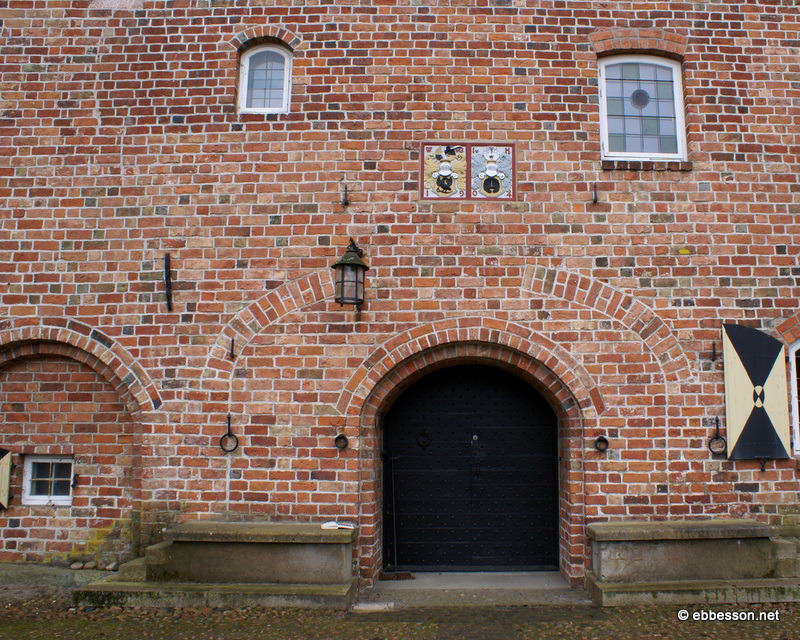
<point x="473" y="340"/>
<point x="371" y="383"/>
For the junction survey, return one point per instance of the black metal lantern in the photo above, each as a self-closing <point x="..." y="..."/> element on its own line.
<point x="350" y="269"/>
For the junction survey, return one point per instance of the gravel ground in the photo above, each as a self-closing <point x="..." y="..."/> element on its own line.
<point x="29" y="612"/>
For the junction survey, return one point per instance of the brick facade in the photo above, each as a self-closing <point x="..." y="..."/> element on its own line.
<point x="55" y="404"/>
<point x="122" y="144"/>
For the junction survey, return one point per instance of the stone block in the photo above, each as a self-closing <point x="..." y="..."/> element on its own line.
<point x="686" y="561"/>
<point x="257" y="553"/>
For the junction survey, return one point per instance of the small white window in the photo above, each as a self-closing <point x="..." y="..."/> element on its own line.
<point x="641" y="109"/>
<point x="47" y="480"/>
<point x="265" y="80"/>
<point x="794" y="365"/>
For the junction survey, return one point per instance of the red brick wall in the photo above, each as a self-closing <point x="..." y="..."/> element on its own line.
<point x="123" y="144"/>
<point x="59" y="407"/>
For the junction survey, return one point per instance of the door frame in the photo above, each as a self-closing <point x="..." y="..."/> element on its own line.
<point x="550" y="369"/>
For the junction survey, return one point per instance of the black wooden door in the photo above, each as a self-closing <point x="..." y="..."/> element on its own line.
<point x="470" y="474"/>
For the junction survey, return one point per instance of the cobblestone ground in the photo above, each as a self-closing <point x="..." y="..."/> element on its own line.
<point x="40" y="613"/>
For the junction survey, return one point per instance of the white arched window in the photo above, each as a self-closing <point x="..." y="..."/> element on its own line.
<point x="641" y="108"/>
<point x="794" y="383"/>
<point x="265" y="75"/>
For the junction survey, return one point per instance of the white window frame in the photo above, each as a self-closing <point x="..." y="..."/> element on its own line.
<point x="794" y="353"/>
<point x="244" y="66"/>
<point x="28" y="498"/>
<point x="680" y="120"/>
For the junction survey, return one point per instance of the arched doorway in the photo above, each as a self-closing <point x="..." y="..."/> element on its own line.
<point x="470" y="474"/>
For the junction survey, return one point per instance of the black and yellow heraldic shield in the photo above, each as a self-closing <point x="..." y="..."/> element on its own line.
<point x="756" y="395"/>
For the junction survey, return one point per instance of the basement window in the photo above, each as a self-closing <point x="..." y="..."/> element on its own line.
<point x="265" y="80"/>
<point x="47" y="480"/>
<point x="641" y="109"/>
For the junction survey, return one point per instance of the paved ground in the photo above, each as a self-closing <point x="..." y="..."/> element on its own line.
<point x="37" y="606"/>
<point x="433" y="590"/>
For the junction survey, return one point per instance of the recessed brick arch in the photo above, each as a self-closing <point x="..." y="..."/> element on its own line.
<point x="473" y="340"/>
<point x="622" y="307"/>
<point x="71" y="391"/>
<point x="258" y="315"/>
<point x="29" y="336"/>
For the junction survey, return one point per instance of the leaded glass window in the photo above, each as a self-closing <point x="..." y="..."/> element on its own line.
<point x="265" y="80"/>
<point x="641" y="108"/>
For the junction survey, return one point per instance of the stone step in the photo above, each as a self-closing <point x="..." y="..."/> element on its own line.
<point x="133" y="571"/>
<point x="235" y="564"/>
<point x="240" y="552"/>
<point x="792" y="534"/>
<point x="114" y="592"/>
<point x="692" y="592"/>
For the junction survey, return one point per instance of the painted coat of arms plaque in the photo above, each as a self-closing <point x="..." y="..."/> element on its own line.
<point x="444" y="171"/>
<point x="468" y="171"/>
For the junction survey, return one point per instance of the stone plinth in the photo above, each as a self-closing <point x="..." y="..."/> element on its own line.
<point x="686" y="561"/>
<point x="236" y="563"/>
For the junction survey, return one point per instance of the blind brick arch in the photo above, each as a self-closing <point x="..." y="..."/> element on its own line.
<point x="27" y="335"/>
<point x="59" y="400"/>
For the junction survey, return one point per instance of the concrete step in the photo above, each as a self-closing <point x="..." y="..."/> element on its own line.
<point x="114" y="592"/>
